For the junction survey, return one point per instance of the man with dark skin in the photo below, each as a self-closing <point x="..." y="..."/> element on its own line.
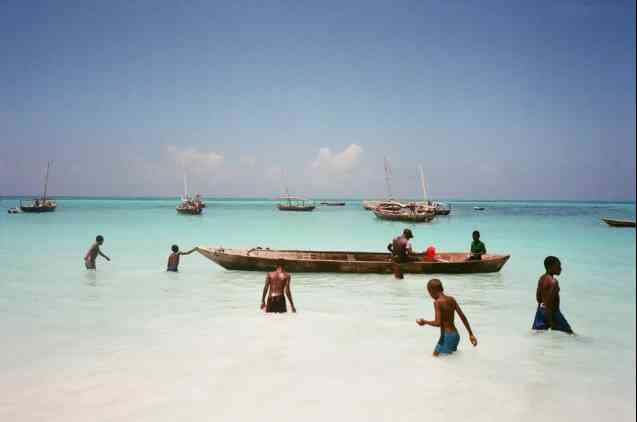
<point x="477" y="248"/>
<point x="400" y="247"/>
<point x="547" y="295"/>
<point x="445" y="308"/>
<point x="94" y="250"/>
<point x="277" y="283"/>
<point x="173" y="258"/>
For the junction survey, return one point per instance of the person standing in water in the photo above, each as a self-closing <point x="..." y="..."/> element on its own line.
<point x="445" y="308"/>
<point x="173" y="258"/>
<point x="548" y="314"/>
<point x="401" y="251"/>
<point x="94" y="250"/>
<point x="277" y="283"/>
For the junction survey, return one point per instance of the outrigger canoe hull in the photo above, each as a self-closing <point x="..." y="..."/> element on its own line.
<point x="618" y="223"/>
<point x="298" y="261"/>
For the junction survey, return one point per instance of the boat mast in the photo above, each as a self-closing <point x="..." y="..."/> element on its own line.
<point x="422" y="182"/>
<point x="46" y="180"/>
<point x="387" y="175"/>
<point x="185" y="187"/>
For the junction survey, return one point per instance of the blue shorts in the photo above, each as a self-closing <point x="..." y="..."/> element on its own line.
<point x="448" y="343"/>
<point x="540" y="322"/>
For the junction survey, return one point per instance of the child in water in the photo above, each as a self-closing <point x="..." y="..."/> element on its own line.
<point x="445" y="308"/>
<point x="173" y="259"/>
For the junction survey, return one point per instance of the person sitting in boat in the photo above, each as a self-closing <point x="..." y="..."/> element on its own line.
<point x="173" y="258"/>
<point x="477" y="248"/>
<point x="548" y="314"/>
<point x="94" y="250"/>
<point x="277" y="286"/>
<point x="400" y="247"/>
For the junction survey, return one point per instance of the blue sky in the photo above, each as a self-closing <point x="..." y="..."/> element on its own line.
<point x="496" y="99"/>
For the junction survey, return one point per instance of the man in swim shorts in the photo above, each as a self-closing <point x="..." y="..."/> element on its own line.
<point x="445" y="308"/>
<point x="548" y="314"/>
<point x="94" y="250"/>
<point x="277" y="286"/>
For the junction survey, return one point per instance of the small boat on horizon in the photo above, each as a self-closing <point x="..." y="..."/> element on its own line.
<point x="259" y="259"/>
<point x="410" y="213"/>
<point x="618" y="223"/>
<point x="292" y="203"/>
<point x="333" y="204"/>
<point x="189" y="205"/>
<point x="42" y="204"/>
<point x="479" y="208"/>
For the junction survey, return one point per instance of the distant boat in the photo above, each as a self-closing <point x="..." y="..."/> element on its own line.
<point x="188" y="205"/>
<point x="333" y="204"/>
<point x="258" y="259"/>
<point x="42" y="204"/>
<point x="479" y="208"/>
<point x="13" y="210"/>
<point x="410" y="213"/>
<point x="618" y="223"/>
<point x="291" y="203"/>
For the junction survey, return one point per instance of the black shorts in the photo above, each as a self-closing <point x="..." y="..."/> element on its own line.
<point x="276" y="304"/>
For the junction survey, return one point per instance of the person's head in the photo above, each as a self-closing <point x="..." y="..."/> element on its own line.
<point x="553" y="265"/>
<point x="174" y="248"/>
<point x="434" y="287"/>
<point x="279" y="264"/>
<point x="476" y="235"/>
<point x="408" y="234"/>
<point x="99" y="239"/>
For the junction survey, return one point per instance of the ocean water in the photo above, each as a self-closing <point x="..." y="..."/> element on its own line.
<point x="132" y="342"/>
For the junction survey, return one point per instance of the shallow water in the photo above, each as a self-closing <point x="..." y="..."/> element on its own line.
<point x="133" y="342"/>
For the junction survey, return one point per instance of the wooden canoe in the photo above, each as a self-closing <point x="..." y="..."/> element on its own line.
<point x="618" y="223"/>
<point x="298" y="261"/>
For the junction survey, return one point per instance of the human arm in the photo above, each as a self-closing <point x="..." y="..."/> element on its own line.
<point x="390" y="247"/>
<point x="99" y="251"/>
<point x="465" y="321"/>
<point x="437" y="322"/>
<point x="288" y="293"/>
<point x="265" y="291"/>
<point x="189" y="252"/>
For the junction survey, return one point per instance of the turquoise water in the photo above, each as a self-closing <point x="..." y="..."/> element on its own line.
<point x="133" y="342"/>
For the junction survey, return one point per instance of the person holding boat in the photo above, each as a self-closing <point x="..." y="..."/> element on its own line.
<point x="400" y="247"/>
<point x="173" y="258"/>
<point x="277" y="286"/>
<point x="548" y="315"/>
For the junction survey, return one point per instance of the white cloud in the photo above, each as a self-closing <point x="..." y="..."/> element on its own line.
<point x="248" y="160"/>
<point x="341" y="163"/>
<point x="193" y="159"/>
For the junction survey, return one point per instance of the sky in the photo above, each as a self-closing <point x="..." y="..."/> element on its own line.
<point x="495" y="99"/>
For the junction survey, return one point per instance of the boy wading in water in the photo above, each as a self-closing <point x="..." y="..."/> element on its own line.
<point x="445" y="308"/>
<point x="277" y="283"/>
<point x="173" y="258"/>
<point x="548" y="315"/>
<point x="94" y="250"/>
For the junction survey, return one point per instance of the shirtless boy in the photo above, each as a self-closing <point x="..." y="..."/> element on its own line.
<point x="94" y="250"/>
<point x="173" y="258"/>
<point x="445" y="308"/>
<point x="277" y="283"/>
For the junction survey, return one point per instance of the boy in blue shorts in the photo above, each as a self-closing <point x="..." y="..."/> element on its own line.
<point x="445" y="308"/>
